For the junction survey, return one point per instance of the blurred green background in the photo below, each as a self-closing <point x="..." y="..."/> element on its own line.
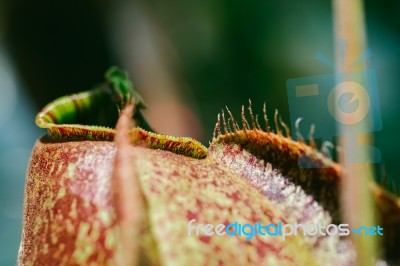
<point x="188" y="59"/>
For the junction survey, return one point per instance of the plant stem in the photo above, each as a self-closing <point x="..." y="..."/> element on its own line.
<point x="357" y="204"/>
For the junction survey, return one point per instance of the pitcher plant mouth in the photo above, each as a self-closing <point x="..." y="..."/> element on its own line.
<point x="93" y="114"/>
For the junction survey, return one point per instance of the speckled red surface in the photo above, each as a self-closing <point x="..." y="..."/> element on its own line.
<point x="71" y="216"/>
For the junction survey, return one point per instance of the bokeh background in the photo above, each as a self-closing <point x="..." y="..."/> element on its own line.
<point x="188" y="59"/>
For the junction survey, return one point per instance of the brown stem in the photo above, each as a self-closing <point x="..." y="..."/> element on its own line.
<point x="356" y="198"/>
<point x="128" y="199"/>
